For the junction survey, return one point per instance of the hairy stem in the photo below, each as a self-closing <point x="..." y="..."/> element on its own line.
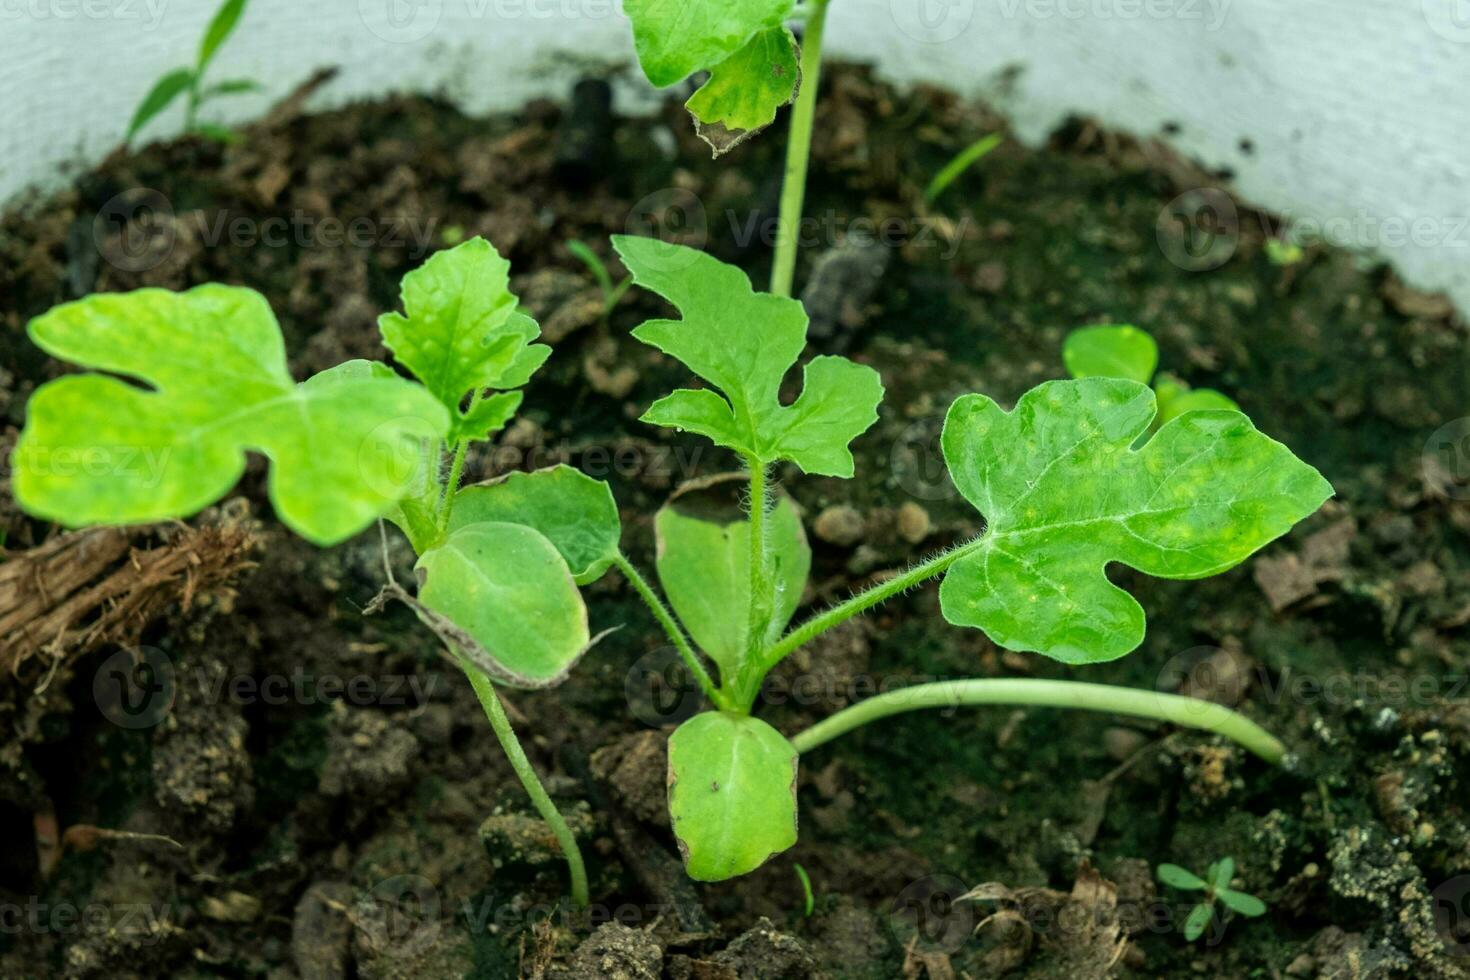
<point x="672" y="628"/>
<point x="1172" y="708"/>
<point x="456" y="471"/>
<point x="495" y="712"/>
<point x="862" y="602"/>
<point x="799" y="150"/>
<point x="761" y="589"/>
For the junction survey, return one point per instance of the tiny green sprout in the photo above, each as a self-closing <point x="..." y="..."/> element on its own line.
<point x="809" y="901"/>
<point x="612" y="293"/>
<point x="1283" y="253"/>
<point x="189" y="82"/>
<point x="1216" y="887"/>
<point x="1127" y="352"/>
<point x="962" y="162"/>
<point x="1066" y="482"/>
<point x="500" y="565"/>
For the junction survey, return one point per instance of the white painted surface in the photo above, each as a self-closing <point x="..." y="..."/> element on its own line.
<point x="1358" y="110"/>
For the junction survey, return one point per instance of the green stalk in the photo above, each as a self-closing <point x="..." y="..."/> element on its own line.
<point x="862" y="602"/>
<point x="799" y="151"/>
<point x="671" y="626"/>
<point x="456" y="471"/>
<point x="1172" y="708"/>
<point x="495" y="711"/>
<point x="761" y="589"/>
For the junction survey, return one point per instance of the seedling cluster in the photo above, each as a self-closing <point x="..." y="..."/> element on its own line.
<point x="1077" y="475"/>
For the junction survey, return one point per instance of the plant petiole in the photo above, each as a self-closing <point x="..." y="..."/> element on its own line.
<point x="1172" y="708"/>
<point x="799" y="150"/>
<point x="495" y="712"/>
<point x="676" y="633"/>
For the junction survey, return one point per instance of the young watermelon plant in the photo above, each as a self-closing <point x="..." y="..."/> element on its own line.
<point x="1122" y="351"/>
<point x="500" y="565"/>
<point x="1061" y="486"/>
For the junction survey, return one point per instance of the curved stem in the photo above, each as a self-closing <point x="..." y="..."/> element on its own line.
<point x="799" y="150"/>
<point x="862" y="602"/>
<point x="671" y="626"/>
<point x="1173" y="708"/>
<point x="495" y="711"/>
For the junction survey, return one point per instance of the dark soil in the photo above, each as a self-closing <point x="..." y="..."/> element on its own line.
<point x="321" y="828"/>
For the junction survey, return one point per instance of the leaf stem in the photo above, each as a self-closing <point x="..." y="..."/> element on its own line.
<point x="456" y="470"/>
<point x="863" y="601"/>
<point x="671" y="626"/>
<point x="495" y="712"/>
<point x="799" y="150"/>
<point x="1172" y="708"/>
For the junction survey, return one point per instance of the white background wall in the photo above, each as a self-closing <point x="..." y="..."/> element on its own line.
<point x="1358" y="110"/>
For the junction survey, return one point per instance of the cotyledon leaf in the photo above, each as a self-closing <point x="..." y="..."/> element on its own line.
<point x="745" y="90"/>
<point x="744" y="342"/>
<point x="1175" y="398"/>
<point x="344" y="445"/>
<point x="462" y="332"/>
<point x="576" y="513"/>
<point x="1110" y="351"/>
<point x="676" y="38"/>
<point x="1063" y="494"/>
<point x="509" y="588"/>
<point x="703" y="563"/>
<point x="732" y="794"/>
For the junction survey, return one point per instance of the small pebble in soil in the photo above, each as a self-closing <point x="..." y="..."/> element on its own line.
<point x="840" y="525"/>
<point x="914" y="524"/>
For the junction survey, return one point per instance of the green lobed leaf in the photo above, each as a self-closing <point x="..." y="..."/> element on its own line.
<point x="576" y="513"/>
<point x="1198" y="921"/>
<point x="744" y="342"/>
<point x="1063" y="495"/>
<point x="462" y="332"/>
<point x="1111" y="352"/>
<point x="732" y="794"/>
<point x="509" y="588"/>
<point x="345" y="446"/>
<point x="745" y="90"/>
<point x="703" y="563"/>
<point x="1241" y="903"/>
<point x="163" y="93"/>
<point x="219" y="30"/>
<point x="1177" y="877"/>
<point x="676" y="38"/>
<point x="486" y="417"/>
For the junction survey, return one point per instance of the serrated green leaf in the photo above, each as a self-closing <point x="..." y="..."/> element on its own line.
<point x="486" y="417"/>
<point x="744" y="342"/>
<point x="732" y="794"/>
<point x="1177" y="877"/>
<point x="745" y="90"/>
<point x="163" y="93"/>
<point x="1111" y="352"/>
<point x="703" y="563"/>
<point x="219" y="30"/>
<point x="1063" y="495"/>
<point x="676" y="38"/>
<point x="1175" y="398"/>
<point x="462" y="332"/>
<point x="509" y="588"/>
<point x="1198" y="921"/>
<point x="1241" y="903"/>
<point x="345" y="445"/>
<point x="576" y="513"/>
